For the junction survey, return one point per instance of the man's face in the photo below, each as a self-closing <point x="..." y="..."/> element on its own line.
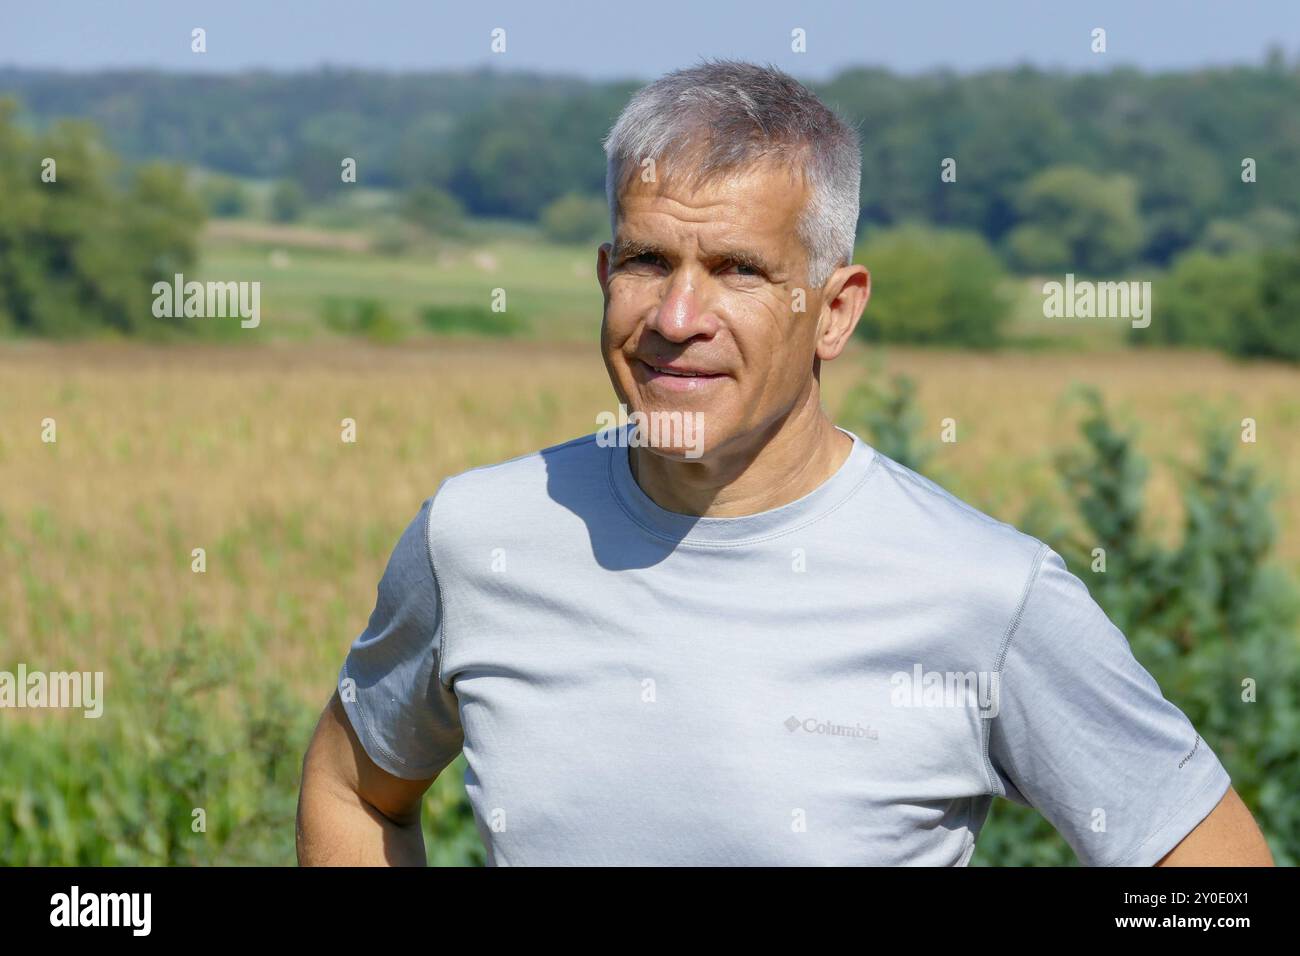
<point x="704" y="281"/>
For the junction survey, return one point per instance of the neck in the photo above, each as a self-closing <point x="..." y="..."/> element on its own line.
<point x="753" y="473"/>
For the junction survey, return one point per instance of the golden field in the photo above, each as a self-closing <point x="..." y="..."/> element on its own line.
<point x="161" y="450"/>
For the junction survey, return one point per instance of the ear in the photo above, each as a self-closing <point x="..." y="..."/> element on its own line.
<point x="602" y="267"/>
<point x="847" y="292"/>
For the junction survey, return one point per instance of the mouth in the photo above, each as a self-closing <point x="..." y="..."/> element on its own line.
<point x="677" y="377"/>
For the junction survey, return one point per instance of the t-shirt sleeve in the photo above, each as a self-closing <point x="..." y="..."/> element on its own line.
<point x="1083" y="734"/>
<point x="390" y="682"/>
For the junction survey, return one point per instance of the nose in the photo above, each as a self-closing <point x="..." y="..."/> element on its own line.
<point x="684" y="312"/>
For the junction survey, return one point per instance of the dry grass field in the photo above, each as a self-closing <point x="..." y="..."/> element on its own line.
<point x="239" y="451"/>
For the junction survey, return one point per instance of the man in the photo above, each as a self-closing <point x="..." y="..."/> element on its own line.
<point x="773" y="645"/>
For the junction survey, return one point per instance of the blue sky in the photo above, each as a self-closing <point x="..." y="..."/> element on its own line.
<point x="642" y="39"/>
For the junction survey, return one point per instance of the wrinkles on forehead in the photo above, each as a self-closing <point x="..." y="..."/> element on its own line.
<point x="750" y="215"/>
<point x="749" y="219"/>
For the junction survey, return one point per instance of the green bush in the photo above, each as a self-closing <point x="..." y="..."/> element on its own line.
<point x="933" y="287"/>
<point x="1266" y="227"/>
<point x="224" y="196"/>
<point x="1202" y="300"/>
<point x="197" y="726"/>
<point x="394" y="238"/>
<point x="367" y="318"/>
<point x="887" y="416"/>
<point x="288" y="201"/>
<point x="1274" y="331"/>
<point x="121" y="790"/>
<point x="471" y="320"/>
<point x="434" y="211"/>
<point x="574" y="218"/>
<point x="1247" y="304"/>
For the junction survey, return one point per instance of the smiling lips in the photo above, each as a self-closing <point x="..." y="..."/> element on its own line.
<point x="688" y="373"/>
<point x="679" y="377"/>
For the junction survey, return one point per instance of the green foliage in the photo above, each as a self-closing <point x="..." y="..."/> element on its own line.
<point x="121" y="790"/>
<point x="288" y="201"/>
<point x="372" y="319"/>
<point x="508" y="144"/>
<point x="471" y="320"/>
<point x="224" y="196"/>
<point x="451" y="837"/>
<point x="392" y="239"/>
<point x="197" y="726"/>
<point x="1207" y="618"/>
<point x="932" y="287"/>
<point x="575" y="219"/>
<point x="1105" y="478"/>
<point x="367" y="318"/>
<point x="1244" y="303"/>
<point x="1275" y="330"/>
<point x="1202" y="301"/>
<point x="1047" y="168"/>
<point x="433" y="210"/>
<point x="1260" y="229"/>
<point x="1076" y="221"/>
<point x="327" y="138"/>
<point x="888" y="418"/>
<point x="81" y="253"/>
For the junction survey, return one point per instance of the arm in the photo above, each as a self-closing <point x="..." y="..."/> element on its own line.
<point x="350" y="812"/>
<point x="1229" y="836"/>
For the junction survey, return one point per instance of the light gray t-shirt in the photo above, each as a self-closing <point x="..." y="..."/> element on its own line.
<point x="847" y="679"/>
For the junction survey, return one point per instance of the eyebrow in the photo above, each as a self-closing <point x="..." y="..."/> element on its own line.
<point x="744" y="257"/>
<point x="631" y="248"/>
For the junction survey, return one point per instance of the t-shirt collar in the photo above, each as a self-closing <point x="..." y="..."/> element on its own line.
<point x="743" y="529"/>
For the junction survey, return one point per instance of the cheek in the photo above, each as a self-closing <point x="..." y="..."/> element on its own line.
<point x="628" y="300"/>
<point x="768" y="339"/>
<point x="619" y="323"/>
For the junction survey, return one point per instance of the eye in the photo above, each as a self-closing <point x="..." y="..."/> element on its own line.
<point x="643" y="262"/>
<point x="745" y="269"/>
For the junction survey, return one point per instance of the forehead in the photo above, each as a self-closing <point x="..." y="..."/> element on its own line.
<point x="759" y="203"/>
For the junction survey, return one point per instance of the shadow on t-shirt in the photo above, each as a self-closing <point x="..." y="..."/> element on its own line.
<point x="579" y="476"/>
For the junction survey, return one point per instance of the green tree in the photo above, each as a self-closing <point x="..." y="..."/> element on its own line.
<point x="80" y="245"/>
<point x="1274" y="331"/>
<point x="434" y="210"/>
<point x="887" y="414"/>
<point x="1265" y="228"/>
<point x="574" y="219"/>
<point x="224" y="196"/>
<point x="287" y="201"/>
<point x="1245" y="304"/>
<point x="1076" y="220"/>
<point x="1202" y="301"/>
<point x="932" y="286"/>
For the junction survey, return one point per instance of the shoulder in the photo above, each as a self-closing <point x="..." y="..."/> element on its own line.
<point x="925" y="508"/>
<point x="973" y="559"/>
<point x="496" y="485"/>
<point x="519" y="494"/>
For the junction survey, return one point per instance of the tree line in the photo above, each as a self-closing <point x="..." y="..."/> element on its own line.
<point x="1155" y="159"/>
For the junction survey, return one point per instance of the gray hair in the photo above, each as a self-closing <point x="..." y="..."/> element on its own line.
<point x="726" y="114"/>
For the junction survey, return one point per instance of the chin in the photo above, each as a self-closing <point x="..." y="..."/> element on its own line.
<point x="673" y="433"/>
<point x="679" y="453"/>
